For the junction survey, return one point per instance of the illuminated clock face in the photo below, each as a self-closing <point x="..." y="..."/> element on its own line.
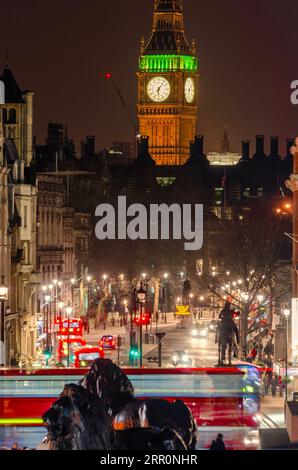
<point x="159" y="89"/>
<point x="189" y="90"/>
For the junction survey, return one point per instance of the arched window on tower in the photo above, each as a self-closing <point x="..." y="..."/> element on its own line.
<point x="12" y="116"/>
<point x="4" y="116"/>
<point x="2" y="93"/>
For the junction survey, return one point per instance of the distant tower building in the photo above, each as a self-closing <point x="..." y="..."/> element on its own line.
<point x="168" y="86"/>
<point x="17" y="115"/>
<point x="225" y="143"/>
<point x="55" y="138"/>
<point x="225" y="157"/>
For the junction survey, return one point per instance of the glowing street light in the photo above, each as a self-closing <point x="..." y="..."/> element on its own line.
<point x="68" y="310"/>
<point x="88" y="278"/>
<point x="104" y="277"/>
<point x="166" y="275"/>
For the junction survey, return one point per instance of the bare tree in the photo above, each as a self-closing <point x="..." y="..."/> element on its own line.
<point x="249" y="268"/>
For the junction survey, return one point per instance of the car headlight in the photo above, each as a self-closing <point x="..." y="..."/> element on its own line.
<point x="185" y="358"/>
<point x="194" y="332"/>
<point x="175" y="358"/>
<point x="203" y="333"/>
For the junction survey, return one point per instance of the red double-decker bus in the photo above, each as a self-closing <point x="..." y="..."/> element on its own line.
<point x="221" y="399"/>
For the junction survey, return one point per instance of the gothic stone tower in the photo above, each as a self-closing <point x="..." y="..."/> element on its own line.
<point x="167" y="86"/>
<point x="17" y="116"/>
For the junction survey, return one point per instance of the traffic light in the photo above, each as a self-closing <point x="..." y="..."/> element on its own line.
<point x="48" y="353"/>
<point x="134" y="354"/>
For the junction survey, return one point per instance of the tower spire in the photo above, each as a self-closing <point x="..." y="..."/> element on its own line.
<point x="168" y="5"/>
<point x="168" y="29"/>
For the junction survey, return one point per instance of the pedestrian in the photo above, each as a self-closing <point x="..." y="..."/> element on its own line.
<point x="267" y="382"/>
<point x="113" y="321"/>
<point x="226" y="312"/>
<point x="280" y="386"/>
<point x="274" y="383"/>
<point x="15" y="446"/>
<point x="253" y="353"/>
<point x="218" y="443"/>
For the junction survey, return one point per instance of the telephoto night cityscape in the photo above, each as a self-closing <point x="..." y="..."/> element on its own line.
<point x="148" y="230"/>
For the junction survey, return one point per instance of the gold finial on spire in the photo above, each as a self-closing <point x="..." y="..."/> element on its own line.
<point x="194" y="47"/>
<point x="142" y="45"/>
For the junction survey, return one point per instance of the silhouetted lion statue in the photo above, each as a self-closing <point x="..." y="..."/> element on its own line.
<point x="101" y="413"/>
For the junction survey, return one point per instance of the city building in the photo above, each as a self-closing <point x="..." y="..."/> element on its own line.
<point x="18" y="222"/>
<point x="168" y="86"/>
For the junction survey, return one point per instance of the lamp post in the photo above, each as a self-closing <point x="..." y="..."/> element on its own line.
<point x="141" y="294"/>
<point x="68" y="311"/>
<point x="88" y="279"/>
<point x="166" y="287"/>
<point x="286" y="315"/>
<point x="73" y="281"/>
<point x="3" y="299"/>
<point x="213" y="293"/>
<point x="55" y="282"/>
<point x="46" y="319"/>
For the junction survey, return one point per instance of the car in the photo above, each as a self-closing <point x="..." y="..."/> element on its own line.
<point x="199" y="329"/>
<point x="181" y="359"/>
<point x="108" y="342"/>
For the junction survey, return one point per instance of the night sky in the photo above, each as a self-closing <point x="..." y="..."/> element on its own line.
<point x="247" y="51"/>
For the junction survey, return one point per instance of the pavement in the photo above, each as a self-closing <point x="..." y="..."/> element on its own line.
<point x="272" y="412"/>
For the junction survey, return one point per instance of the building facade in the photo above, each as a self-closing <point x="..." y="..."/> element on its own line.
<point x="18" y="222"/>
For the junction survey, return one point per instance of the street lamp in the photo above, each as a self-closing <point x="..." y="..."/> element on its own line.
<point x="141" y="295"/>
<point x="286" y="313"/>
<point x="3" y="299"/>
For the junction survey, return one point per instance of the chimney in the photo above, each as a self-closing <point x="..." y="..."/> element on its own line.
<point x="90" y="145"/>
<point x="143" y="146"/>
<point x="198" y="145"/>
<point x="274" y="141"/>
<point x="260" y="145"/>
<point x="245" y="150"/>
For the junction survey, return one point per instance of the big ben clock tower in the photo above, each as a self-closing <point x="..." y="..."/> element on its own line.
<point x="167" y="86"/>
